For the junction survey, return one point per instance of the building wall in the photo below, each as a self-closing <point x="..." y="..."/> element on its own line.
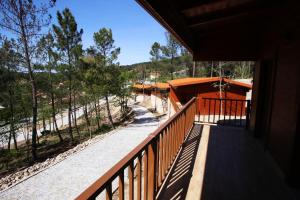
<point x="280" y="133"/>
<point x="285" y="107"/>
<point x="160" y="101"/>
<point x="211" y="90"/>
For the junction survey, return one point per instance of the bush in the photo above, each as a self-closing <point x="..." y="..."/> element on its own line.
<point x="45" y="132"/>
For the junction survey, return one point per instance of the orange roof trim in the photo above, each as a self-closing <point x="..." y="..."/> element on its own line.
<point x="161" y="86"/>
<point x="142" y="86"/>
<point x="191" y="81"/>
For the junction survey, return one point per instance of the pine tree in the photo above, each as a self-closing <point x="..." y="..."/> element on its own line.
<point x="68" y="39"/>
<point x="155" y="52"/>
<point x="47" y="53"/>
<point x="170" y="51"/>
<point x="108" y="70"/>
<point x="25" y="19"/>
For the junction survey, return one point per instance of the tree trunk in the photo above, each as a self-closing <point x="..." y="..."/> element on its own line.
<point x="12" y="118"/>
<point x="70" y="97"/>
<point x="108" y="112"/>
<point x="70" y="110"/>
<point x="75" y="117"/>
<point x="54" y="120"/>
<point x="9" y="140"/>
<point x="97" y="114"/>
<point x="172" y="68"/>
<point x="33" y="89"/>
<point x="61" y="112"/>
<point x="44" y="124"/>
<point x="87" y="120"/>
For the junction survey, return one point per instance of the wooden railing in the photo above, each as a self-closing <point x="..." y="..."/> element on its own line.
<point x="235" y="112"/>
<point x="148" y="163"/>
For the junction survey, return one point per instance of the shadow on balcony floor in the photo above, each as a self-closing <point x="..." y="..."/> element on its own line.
<point x="176" y="184"/>
<point x="237" y="167"/>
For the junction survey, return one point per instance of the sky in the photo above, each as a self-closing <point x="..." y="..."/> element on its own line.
<point x="134" y="30"/>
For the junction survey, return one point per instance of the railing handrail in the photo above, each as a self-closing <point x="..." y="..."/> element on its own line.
<point x="225" y="99"/>
<point x="100" y="184"/>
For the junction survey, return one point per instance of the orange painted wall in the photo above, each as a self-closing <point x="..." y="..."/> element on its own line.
<point x="208" y="90"/>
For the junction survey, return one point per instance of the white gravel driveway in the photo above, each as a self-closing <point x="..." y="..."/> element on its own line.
<point x="70" y="177"/>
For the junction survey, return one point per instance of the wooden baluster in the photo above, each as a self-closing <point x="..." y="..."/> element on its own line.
<point x="204" y="111"/>
<point x="220" y="104"/>
<point x="168" y="148"/>
<point x="131" y="180"/>
<point x="108" y="192"/>
<point x="209" y="110"/>
<point x="164" y="154"/>
<point x="224" y="111"/>
<point x="160" y="174"/>
<point x="121" y="186"/>
<point x="139" y="178"/>
<point x="248" y="114"/>
<point x="151" y="170"/>
<point x="214" y="110"/>
<point x="230" y="111"/>
<point x="145" y="173"/>
<point x="235" y="112"/>
<point x="241" y="113"/>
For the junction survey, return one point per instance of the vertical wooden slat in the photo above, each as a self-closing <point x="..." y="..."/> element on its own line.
<point x="164" y="154"/>
<point x="145" y="174"/>
<point x="139" y="178"/>
<point x="235" y="112"/>
<point x="151" y="170"/>
<point x="230" y="111"/>
<point x="108" y="192"/>
<point x="160" y="174"/>
<point x="220" y="110"/>
<point x="241" y="113"/>
<point x="248" y="114"/>
<point x="121" y="186"/>
<point x="224" y="112"/>
<point x="157" y="164"/>
<point x="204" y="112"/>
<point x="167" y="148"/>
<point x="131" y="180"/>
<point x="209" y="110"/>
<point x="214" y="110"/>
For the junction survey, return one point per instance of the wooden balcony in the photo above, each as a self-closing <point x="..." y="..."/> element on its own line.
<point x="188" y="160"/>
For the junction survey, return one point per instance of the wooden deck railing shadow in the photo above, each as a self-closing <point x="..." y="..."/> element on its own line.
<point x="153" y="159"/>
<point x="176" y="184"/>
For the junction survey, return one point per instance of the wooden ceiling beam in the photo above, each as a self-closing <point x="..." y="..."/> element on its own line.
<point x="216" y="7"/>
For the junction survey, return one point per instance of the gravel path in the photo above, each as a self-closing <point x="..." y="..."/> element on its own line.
<point x="70" y="177"/>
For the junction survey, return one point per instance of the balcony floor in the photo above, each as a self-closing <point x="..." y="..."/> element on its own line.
<point x="235" y="166"/>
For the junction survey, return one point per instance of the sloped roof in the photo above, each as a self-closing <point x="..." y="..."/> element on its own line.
<point x="238" y="83"/>
<point x="142" y="86"/>
<point x="192" y="81"/>
<point x="161" y="86"/>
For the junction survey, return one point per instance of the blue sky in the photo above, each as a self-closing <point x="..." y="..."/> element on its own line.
<point x="134" y="30"/>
